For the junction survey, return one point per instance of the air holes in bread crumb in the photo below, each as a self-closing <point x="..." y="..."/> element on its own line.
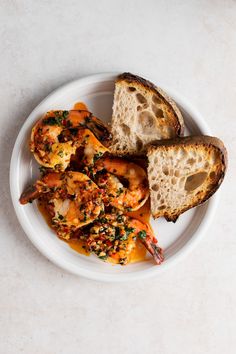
<point x="191" y="161"/>
<point x="141" y="98"/>
<point x="147" y="121"/>
<point x="125" y="129"/>
<point x="165" y="170"/>
<point x="173" y="180"/>
<point x="155" y="187"/>
<point x="157" y="111"/>
<point x="156" y="100"/>
<point x="131" y="89"/>
<point x="195" y="181"/>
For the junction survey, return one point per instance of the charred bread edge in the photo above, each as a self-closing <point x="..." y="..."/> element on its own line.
<point x="208" y="141"/>
<point x="132" y="79"/>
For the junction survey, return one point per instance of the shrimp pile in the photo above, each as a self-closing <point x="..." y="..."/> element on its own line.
<point x="86" y="191"/>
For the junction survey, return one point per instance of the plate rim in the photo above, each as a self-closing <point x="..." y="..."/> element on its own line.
<point x="119" y="277"/>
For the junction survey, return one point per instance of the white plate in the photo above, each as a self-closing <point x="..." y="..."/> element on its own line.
<point x="97" y="92"/>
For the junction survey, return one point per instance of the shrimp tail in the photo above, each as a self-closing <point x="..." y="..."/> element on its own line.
<point x="155" y="250"/>
<point x="31" y="193"/>
<point x="157" y="254"/>
<point x="37" y="189"/>
<point x="100" y="130"/>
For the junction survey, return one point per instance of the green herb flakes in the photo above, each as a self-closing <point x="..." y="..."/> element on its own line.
<point x="142" y="234"/>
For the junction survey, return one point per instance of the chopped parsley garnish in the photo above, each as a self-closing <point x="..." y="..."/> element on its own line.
<point x="117" y="232"/>
<point x="65" y="114"/>
<point x="103" y="257"/>
<point x="60" y="153"/>
<point x="142" y="234"/>
<point x="61" y="217"/>
<point x="42" y="170"/>
<point x="53" y="120"/>
<point x="120" y="218"/>
<point x="97" y="156"/>
<point x="120" y="190"/>
<point x="124" y="237"/>
<point x="103" y="220"/>
<point x="129" y="230"/>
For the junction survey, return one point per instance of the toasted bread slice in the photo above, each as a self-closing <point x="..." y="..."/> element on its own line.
<point x="184" y="173"/>
<point x="142" y="113"/>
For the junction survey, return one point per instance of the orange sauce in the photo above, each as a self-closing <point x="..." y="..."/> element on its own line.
<point x="137" y="255"/>
<point x="77" y="245"/>
<point x="80" y="106"/>
<point x="45" y="213"/>
<point x="143" y="214"/>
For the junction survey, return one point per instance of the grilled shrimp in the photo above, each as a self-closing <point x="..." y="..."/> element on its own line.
<point x="92" y="148"/>
<point x="56" y="136"/>
<point x="72" y="200"/>
<point x="125" y="183"/>
<point x="115" y="236"/>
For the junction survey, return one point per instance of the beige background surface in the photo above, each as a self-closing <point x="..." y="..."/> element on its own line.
<point x="187" y="45"/>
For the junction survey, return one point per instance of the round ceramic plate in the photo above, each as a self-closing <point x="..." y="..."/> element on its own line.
<point x="176" y="239"/>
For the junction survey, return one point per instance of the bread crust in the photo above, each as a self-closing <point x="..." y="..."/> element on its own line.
<point x="139" y="81"/>
<point x="206" y="141"/>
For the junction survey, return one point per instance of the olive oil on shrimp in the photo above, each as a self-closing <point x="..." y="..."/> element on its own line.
<point x="139" y="253"/>
<point x="77" y="245"/>
<point x="80" y="106"/>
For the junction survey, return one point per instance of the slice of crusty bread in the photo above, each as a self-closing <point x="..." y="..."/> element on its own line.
<point x="142" y="113"/>
<point x="183" y="173"/>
